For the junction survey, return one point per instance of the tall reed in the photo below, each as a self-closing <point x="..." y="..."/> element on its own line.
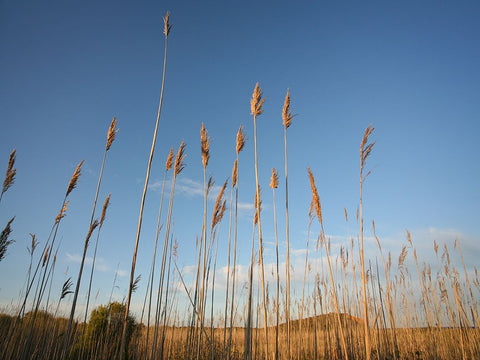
<point x="240" y="143"/>
<point x="365" y="150"/>
<point x="256" y="104"/>
<point x="166" y="32"/>
<point x="287" y="118"/>
<point x="273" y="186"/>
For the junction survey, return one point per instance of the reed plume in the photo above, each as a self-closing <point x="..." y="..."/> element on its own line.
<point x="9" y="174"/>
<point x="219" y="207"/>
<point x="74" y="179"/>
<point x="112" y="132"/>
<point x="205" y="145"/>
<point x="5" y="242"/>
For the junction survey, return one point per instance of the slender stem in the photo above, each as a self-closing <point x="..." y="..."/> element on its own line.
<point x="139" y="226"/>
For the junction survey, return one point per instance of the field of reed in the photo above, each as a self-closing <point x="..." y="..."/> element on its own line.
<point x="354" y="308"/>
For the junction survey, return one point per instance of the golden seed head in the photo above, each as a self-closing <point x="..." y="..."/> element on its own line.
<point x="256" y="102"/>
<point x="112" y="131"/>
<point x="74" y="180"/>
<point x="205" y="145"/>
<point x="93" y="226"/>
<point x="240" y="139"/>
<point x="286" y="113"/>
<point x="45" y="255"/>
<point x="179" y="165"/>
<point x="62" y="213"/>
<point x="11" y="172"/>
<point x="210" y="184"/>
<point x="274" y="179"/>
<point x="219" y="208"/>
<point x="315" y="197"/>
<point x="365" y="149"/>
<point x="104" y="210"/>
<point x="235" y="173"/>
<point x="169" y="162"/>
<point x="167" y="27"/>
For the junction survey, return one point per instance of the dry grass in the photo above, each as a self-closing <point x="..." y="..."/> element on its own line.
<point x="347" y="308"/>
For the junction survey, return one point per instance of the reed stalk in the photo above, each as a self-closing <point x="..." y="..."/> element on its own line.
<point x="273" y="186"/>
<point x="256" y="104"/>
<point x="287" y="118"/>
<point x="365" y="150"/>
<point x="240" y="143"/>
<point x="166" y="31"/>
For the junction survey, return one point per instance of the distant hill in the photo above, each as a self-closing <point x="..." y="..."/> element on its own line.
<point x="325" y="321"/>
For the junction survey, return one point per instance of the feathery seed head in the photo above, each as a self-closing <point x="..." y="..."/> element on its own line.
<point x="256" y="102"/>
<point x="74" y="180"/>
<point x="167" y="27"/>
<point x="62" y="213"/>
<point x="240" y="139"/>
<point x="34" y="244"/>
<point x="217" y="209"/>
<point x="286" y="113"/>
<point x="235" y="173"/>
<point x="11" y="172"/>
<point x="112" y="131"/>
<point x="93" y="226"/>
<point x="274" y="179"/>
<point x="315" y="197"/>
<point x="104" y="210"/>
<point x="179" y="165"/>
<point x="210" y="184"/>
<point x="169" y="162"/>
<point x="66" y="288"/>
<point x="365" y="149"/>
<point x="45" y="255"/>
<point x="4" y="241"/>
<point x="205" y="146"/>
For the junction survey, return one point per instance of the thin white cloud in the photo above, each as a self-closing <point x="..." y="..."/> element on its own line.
<point x="100" y="263"/>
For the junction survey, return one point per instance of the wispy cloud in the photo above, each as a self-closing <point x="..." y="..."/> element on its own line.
<point x="192" y="188"/>
<point x="100" y="264"/>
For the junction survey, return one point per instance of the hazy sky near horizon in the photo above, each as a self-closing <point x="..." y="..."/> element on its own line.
<point x="408" y="68"/>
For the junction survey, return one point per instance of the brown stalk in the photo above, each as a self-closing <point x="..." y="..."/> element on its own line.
<point x="365" y="150"/>
<point x="287" y="119"/>
<point x="123" y="345"/>
<point x="273" y="186"/>
<point x="256" y="104"/>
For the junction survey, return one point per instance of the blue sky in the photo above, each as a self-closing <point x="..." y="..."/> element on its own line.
<point x="409" y="68"/>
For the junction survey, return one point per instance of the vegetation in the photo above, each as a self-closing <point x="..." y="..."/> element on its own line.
<point x="352" y="309"/>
